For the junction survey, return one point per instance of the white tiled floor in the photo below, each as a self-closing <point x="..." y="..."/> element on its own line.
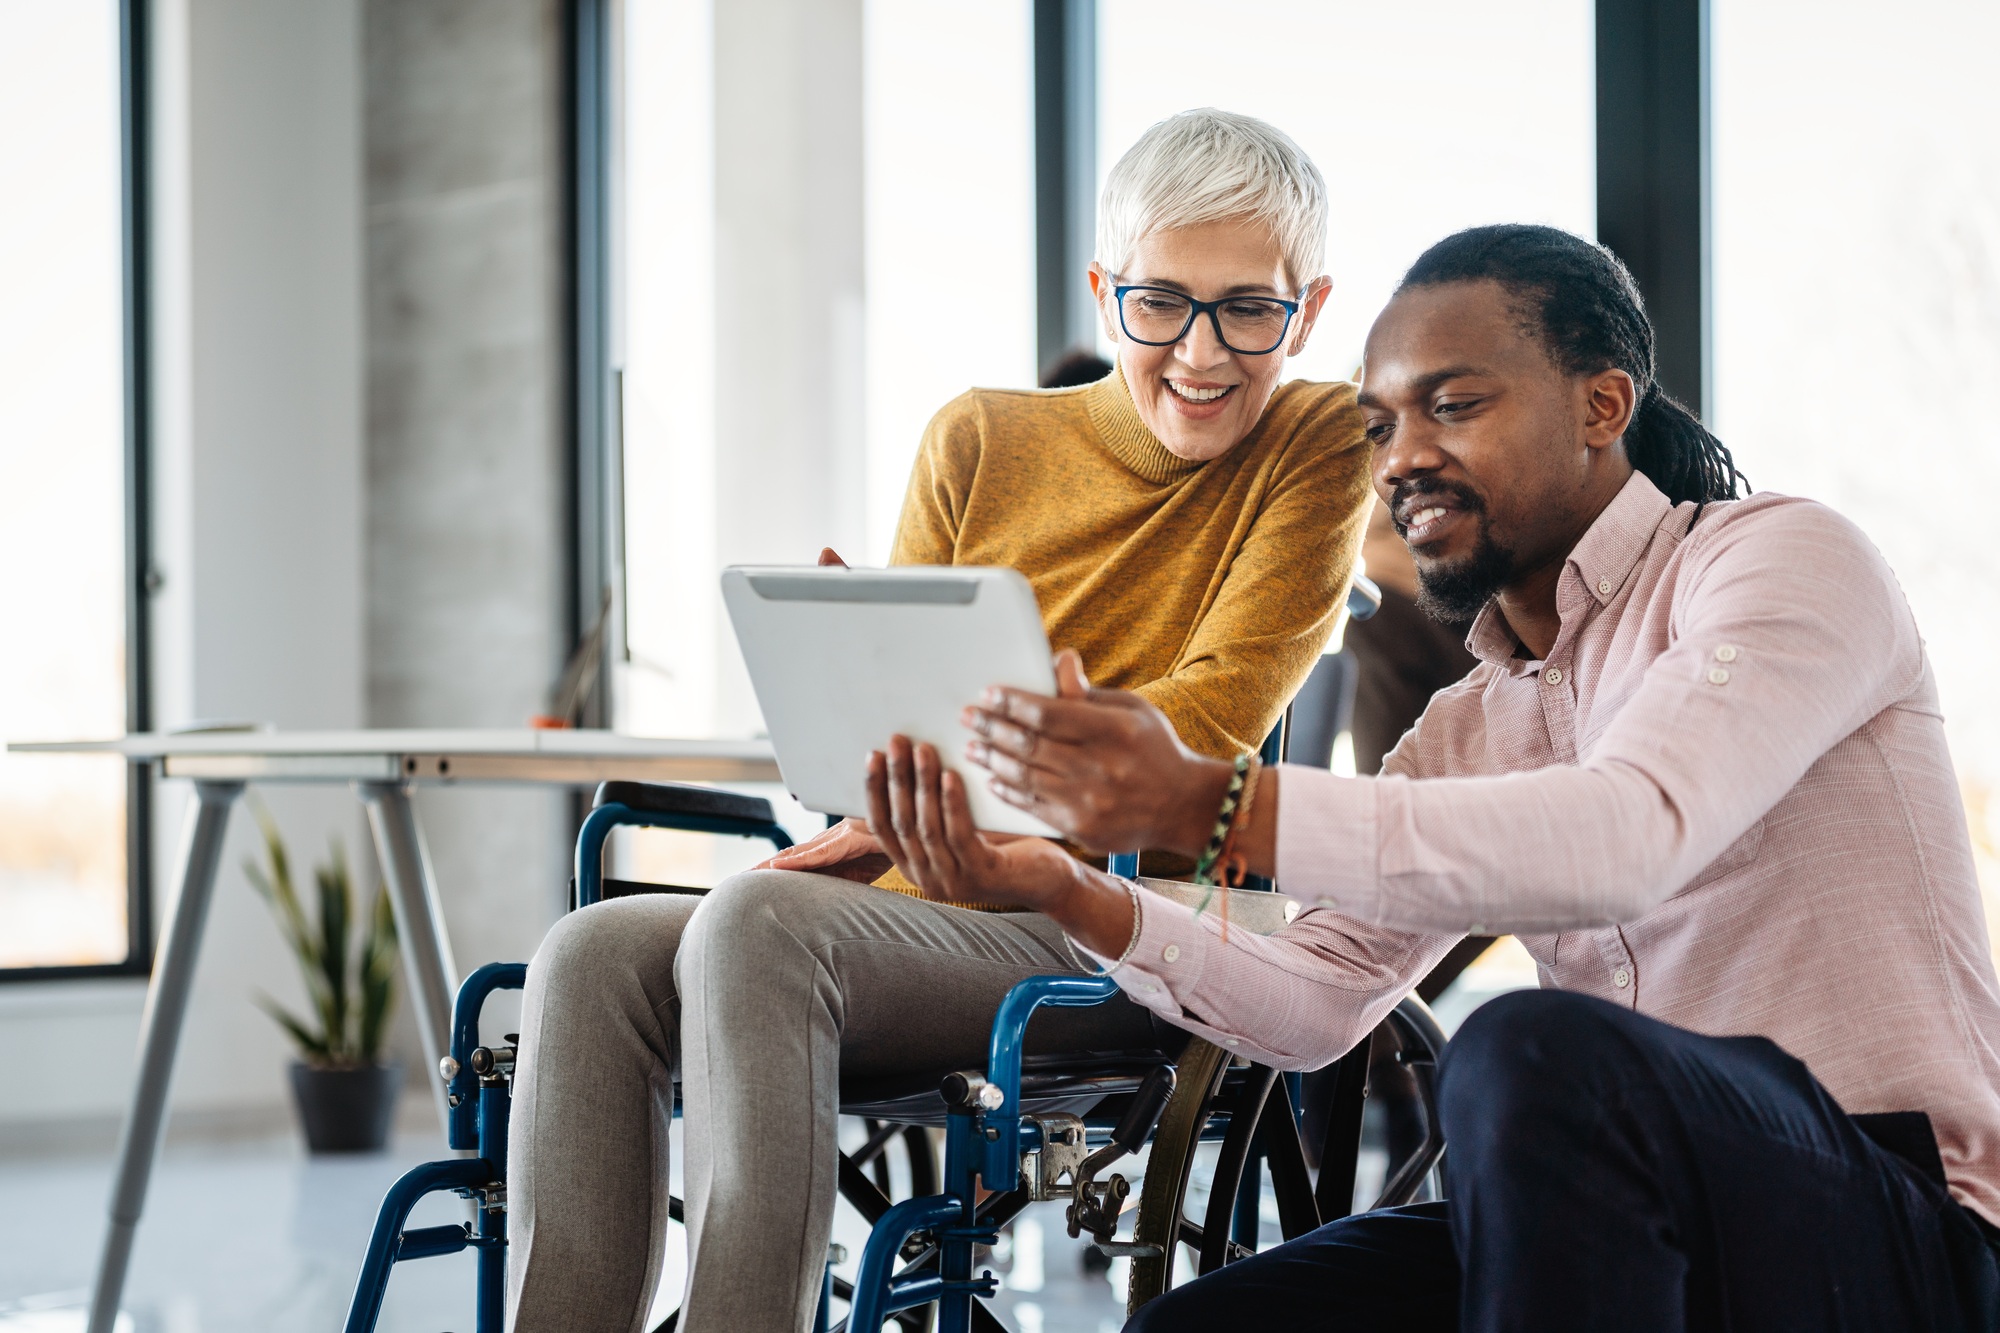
<point x="238" y="1238"/>
<point x="257" y="1237"/>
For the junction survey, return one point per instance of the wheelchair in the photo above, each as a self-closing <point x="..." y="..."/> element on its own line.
<point x="1026" y="1128"/>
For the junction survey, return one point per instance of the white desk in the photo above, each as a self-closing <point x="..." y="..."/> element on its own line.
<point x="383" y="766"/>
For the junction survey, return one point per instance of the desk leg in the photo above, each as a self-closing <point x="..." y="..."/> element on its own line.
<point x="406" y="863"/>
<point x="159" y="1037"/>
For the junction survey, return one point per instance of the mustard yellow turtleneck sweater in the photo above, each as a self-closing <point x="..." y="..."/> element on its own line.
<point x="1208" y="588"/>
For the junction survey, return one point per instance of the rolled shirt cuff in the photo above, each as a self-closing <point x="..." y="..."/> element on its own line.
<point x="1166" y="959"/>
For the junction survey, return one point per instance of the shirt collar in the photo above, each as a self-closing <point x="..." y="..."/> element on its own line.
<point x="1597" y="567"/>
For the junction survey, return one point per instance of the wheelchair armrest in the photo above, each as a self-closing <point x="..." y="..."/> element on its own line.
<point x="666" y="805"/>
<point x="680" y="798"/>
<point x="1001" y="1151"/>
<point x="462" y="1132"/>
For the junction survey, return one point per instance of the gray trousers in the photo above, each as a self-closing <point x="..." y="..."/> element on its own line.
<point x="757" y="998"/>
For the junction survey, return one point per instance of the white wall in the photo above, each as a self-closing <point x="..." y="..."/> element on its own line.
<point x="259" y="515"/>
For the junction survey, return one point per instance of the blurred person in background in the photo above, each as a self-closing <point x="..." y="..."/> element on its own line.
<point x="1075" y="368"/>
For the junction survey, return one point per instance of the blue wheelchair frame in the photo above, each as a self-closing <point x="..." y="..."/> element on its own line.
<point x="479" y="1091"/>
<point x="986" y="1135"/>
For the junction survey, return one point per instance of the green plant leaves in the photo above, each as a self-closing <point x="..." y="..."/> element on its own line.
<point x="351" y="994"/>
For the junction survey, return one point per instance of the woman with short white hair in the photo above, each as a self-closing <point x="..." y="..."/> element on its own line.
<point x="1189" y="525"/>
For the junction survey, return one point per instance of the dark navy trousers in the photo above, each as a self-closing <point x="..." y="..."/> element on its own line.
<point x="1607" y="1171"/>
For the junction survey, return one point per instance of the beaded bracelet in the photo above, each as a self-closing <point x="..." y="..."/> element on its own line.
<point x="1204" y="868"/>
<point x="1232" y="866"/>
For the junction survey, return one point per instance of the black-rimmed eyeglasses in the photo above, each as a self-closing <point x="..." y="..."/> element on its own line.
<point x="1246" y="325"/>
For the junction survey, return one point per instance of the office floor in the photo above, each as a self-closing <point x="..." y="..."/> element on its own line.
<point x="256" y="1236"/>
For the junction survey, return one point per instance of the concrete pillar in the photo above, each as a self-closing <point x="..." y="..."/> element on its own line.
<point x="465" y="475"/>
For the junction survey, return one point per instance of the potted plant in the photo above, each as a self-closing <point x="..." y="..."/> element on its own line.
<point x="345" y="1091"/>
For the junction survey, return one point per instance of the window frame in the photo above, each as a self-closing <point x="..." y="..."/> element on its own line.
<point x="134" y="123"/>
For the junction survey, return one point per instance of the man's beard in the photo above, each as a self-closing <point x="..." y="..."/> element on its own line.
<point x="1454" y="593"/>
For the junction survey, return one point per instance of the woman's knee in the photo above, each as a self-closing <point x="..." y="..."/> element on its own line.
<point x="751" y="914"/>
<point x="620" y="943"/>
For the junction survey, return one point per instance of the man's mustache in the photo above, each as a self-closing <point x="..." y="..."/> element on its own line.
<point x="1403" y="498"/>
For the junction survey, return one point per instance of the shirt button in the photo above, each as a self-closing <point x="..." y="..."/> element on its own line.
<point x="1604" y="587"/>
<point x="1553" y="676"/>
<point x="1145" y="989"/>
<point x="1726" y="653"/>
<point x="1621" y="978"/>
<point x="1717" y="676"/>
<point x="1231" y="1042"/>
<point x="1171" y="953"/>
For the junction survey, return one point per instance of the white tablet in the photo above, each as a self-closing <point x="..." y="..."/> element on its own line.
<point x="843" y="659"/>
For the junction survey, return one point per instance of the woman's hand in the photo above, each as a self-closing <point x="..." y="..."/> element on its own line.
<point x="1103" y="766"/>
<point x="919" y="814"/>
<point x="847" y="849"/>
<point x="918" y="810"/>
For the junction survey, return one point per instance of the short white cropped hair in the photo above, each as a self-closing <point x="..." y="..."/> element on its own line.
<point x="1206" y="166"/>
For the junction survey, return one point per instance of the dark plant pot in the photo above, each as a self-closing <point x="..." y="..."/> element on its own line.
<point x="346" y="1110"/>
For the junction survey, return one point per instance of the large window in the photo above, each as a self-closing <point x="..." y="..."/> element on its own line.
<point x="65" y="889"/>
<point x="1857" y="308"/>
<point x="947" y="197"/>
<point x="1423" y="118"/>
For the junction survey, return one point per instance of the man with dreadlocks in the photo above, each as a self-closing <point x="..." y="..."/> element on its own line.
<point x="1699" y="770"/>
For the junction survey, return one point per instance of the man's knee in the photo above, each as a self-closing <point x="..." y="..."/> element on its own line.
<point x="1522" y="1056"/>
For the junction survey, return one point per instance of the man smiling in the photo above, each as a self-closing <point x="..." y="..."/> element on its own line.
<point x="1700" y="771"/>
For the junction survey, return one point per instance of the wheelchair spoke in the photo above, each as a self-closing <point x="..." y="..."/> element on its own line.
<point x="1246" y="1109"/>
<point x="985" y="1321"/>
<point x="855" y="1187"/>
<point x="1193" y="1234"/>
<point x="1298" y="1212"/>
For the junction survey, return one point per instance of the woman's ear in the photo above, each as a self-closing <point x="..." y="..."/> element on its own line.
<point x="1100" y="291"/>
<point x="1313" y="302"/>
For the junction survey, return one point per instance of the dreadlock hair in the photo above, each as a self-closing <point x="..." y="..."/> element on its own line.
<point x="1585" y="307"/>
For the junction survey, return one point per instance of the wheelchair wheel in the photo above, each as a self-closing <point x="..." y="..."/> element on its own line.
<point x="1163" y="1195"/>
<point x="1402" y="1053"/>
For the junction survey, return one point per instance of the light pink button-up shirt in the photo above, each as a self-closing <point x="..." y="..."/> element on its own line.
<point x="1723" y="800"/>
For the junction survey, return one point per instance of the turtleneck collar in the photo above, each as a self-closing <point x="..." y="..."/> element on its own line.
<point x="1125" y="435"/>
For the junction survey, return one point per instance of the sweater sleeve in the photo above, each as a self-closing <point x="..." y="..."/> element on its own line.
<point x="940" y="478"/>
<point x="1279" y="601"/>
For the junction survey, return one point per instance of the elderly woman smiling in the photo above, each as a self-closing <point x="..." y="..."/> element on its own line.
<point x="1189" y="525"/>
